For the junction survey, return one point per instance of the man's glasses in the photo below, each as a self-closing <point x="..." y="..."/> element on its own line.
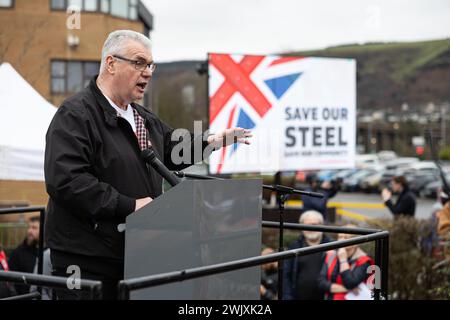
<point x="140" y="65"/>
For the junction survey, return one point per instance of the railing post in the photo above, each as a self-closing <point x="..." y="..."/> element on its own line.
<point x="281" y="198"/>
<point x="41" y="241"/>
<point x="96" y="292"/>
<point x="385" y="268"/>
<point x="41" y="246"/>
<point x="378" y="263"/>
<point x="124" y="291"/>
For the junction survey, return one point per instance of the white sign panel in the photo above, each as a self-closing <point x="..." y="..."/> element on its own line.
<point x="302" y="112"/>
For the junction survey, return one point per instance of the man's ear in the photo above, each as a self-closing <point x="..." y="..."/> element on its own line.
<point x="110" y="65"/>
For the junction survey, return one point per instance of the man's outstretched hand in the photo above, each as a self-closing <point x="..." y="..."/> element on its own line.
<point x="230" y="136"/>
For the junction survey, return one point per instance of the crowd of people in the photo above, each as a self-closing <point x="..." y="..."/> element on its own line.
<point x="341" y="274"/>
<point x="328" y="275"/>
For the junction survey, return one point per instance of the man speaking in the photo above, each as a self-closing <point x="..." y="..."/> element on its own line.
<point x="95" y="175"/>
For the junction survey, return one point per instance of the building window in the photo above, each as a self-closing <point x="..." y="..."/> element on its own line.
<point x="90" y="5"/>
<point x="75" y="3"/>
<point x="104" y="6"/>
<point x="58" y="74"/>
<point x="124" y="8"/>
<point x="71" y="76"/>
<point x="133" y="9"/>
<point x="6" y="3"/>
<point x="119" y="8"/>
<point x="58" y="4"/>
<point x="127" y="9"/>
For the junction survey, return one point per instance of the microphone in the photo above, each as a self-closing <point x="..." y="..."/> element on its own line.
<point x="181" y="174"/>
<point x="149" y="157"/>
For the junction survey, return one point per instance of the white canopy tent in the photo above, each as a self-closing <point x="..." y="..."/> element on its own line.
<point x="24" y="119"/>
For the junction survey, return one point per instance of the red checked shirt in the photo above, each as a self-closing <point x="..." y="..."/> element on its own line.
<point x="138" y="125"/>
<point x="141" y="132"/>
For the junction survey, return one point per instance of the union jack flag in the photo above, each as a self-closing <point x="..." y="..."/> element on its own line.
<point x="243" y="89"/>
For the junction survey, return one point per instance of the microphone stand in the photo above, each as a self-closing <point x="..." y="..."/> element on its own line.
<point x="277" y="187"/>
<point x="283" y="193"/>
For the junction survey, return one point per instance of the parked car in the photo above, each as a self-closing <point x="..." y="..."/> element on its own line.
<point x="421" y="167"/>
<point x="352" y="183"/>
<point x="401" y="163"/>
<point x="326" y="175"/>
<point x="418" y="181"/>
<point x="386" y="155"/>
<point x="371" y="183"/>
<point x="432" y="188"/>
<point x="345" y="173"/>
<point x="386" y="178"/>
<point x="366" y="160"/>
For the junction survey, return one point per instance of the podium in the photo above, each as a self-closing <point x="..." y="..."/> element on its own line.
<point x="197" y="223"/>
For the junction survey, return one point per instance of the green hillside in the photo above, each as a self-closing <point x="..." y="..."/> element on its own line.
<point x="390" y="74"/>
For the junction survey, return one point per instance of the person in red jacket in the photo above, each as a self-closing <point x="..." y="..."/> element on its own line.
<point x="3" y="261"/>
<point x="344" y="270"/>
<point x="6" y="288"/>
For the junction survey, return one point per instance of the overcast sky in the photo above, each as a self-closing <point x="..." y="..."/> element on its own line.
<point x="189" y="29"/>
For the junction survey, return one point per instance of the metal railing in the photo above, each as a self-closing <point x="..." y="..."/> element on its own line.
<point x="380" y="237"/>
<point x="27" y="296"/>
<point x="94" y="287"/>
<point x="39" y="279"/>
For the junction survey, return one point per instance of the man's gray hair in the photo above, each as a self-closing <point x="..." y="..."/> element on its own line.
<point x="309" y="214"/>
<point x="116" y="43"/>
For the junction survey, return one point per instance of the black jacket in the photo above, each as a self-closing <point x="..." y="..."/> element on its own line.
<point x="269" y="279"/>
<point x="7" y="289"/>
<point x="300" y="273"/>
<point x="94" y="173"/>
<point x="23" y="259"/>
<point x="405" y="205"/>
